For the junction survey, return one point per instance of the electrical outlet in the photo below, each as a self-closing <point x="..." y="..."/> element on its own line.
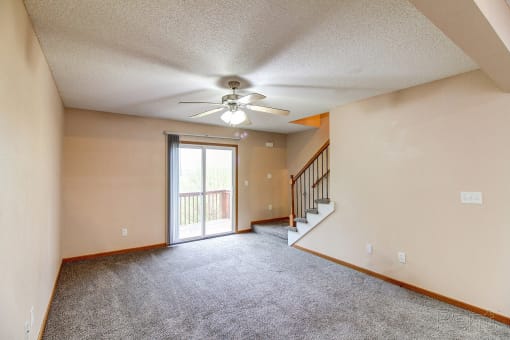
<point x="269" y="176"/>
<point x="270" y="207"/>
<point x="370" y="248"/>
<point x="124" y="232"/>
<point x="401" y="257"/>
<point x="246" y="183"/>
<point x="27" y="329"/>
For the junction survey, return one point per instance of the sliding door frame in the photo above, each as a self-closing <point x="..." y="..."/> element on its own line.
<point x="235" y="148"/>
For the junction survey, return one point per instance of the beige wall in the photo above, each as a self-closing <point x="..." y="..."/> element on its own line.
<point x="30" y="145"/>
<point x="114" y="175"/>
<point x="301" y="146"/>
<point x="399" y="163"/>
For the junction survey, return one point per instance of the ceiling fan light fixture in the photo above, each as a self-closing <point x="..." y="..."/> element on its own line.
<point x="233" y="102"/>
<point x="234" y="118"/>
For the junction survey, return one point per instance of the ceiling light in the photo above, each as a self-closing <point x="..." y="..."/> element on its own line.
<point x="234" y="118"/>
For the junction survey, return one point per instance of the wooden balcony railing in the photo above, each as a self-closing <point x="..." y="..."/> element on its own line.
<point x="217" y="206"/>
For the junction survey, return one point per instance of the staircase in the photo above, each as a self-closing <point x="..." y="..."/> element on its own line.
<point x="313" y="218"/>
<point x="310" y="196"/>
<point x="277" y="230"/>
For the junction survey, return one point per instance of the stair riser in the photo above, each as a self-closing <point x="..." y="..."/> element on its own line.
<point x="313" y="220"/>
<point x="326" y="208"/>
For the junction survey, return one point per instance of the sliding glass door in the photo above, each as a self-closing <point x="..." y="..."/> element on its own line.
<point x="206" y="191"/>
<point x="190" y="193"/>
<point x="219" y="185"/>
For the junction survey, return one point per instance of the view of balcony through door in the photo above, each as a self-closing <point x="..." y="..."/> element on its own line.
<point x="206" y="191"/>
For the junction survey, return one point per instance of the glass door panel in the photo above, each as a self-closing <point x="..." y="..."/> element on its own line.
<point x="219" y="190"/>
<point x="190" y="193"/>
<point x="206" y="191"/>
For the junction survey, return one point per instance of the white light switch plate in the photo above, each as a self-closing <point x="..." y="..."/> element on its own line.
<point x="370" y="248"/>
<point x="401" y="257"/>
<point x="471" y="197"/>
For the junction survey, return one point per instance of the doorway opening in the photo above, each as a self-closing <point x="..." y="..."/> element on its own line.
<point x="207" y="191"/>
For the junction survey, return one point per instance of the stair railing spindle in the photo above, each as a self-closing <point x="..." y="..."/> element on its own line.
<point x="310" y="183"/>
<point x="313" y="180"/>
<point x="327" y="177"/>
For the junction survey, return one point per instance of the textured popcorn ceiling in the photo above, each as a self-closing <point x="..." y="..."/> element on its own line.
<point x="143" y="57"/>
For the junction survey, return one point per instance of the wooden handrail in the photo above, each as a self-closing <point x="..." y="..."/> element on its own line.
<point x="303" y="184"/>
<point x="312" y="159"/>
<point x="320" y="179"/>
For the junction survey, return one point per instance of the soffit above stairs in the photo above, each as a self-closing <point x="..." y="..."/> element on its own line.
<point x="312" y="121"/>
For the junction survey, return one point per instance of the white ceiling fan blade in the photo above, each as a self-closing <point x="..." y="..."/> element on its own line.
<point x="268" y="110"/>
<point x="206" y="113"/>
<point x="250" y="98"/>
<point x="210" y="103"/>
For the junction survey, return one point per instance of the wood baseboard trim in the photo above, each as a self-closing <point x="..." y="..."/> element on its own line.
<point x="276" y="219"/>
<point x="487" y="313"/>
<point x="45" y="319"/>
<point x="114" y="252"/>
<point x="244" y="231"/>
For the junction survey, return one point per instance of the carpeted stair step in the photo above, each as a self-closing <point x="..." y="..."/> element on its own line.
<point x="294" y="229"/>
<point x="300" y="219"/>
<point x="323" y="200"/>
<point x="279" y="231"/>
<point x="313" y="211"/>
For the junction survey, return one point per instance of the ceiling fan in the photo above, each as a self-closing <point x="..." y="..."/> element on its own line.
<point x="233" y="103"/>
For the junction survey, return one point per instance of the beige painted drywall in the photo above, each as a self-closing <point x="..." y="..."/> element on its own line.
<point x="30" y="147"/>
<point x="114" y="175"/>
<point x="398" y="164"/>
<point x="479" y="27"/>
<point x="301" y="146"/>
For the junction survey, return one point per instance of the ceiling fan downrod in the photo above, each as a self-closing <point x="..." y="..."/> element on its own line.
<point x="231" y="99"/>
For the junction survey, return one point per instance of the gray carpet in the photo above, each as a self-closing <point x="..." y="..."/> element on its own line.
<point x="274" y="229"/>
<point x="246" y="286"/>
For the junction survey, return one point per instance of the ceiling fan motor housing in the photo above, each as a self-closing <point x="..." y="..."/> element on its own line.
<point x="234" y="84"/>
<point x="231" y="99"/>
